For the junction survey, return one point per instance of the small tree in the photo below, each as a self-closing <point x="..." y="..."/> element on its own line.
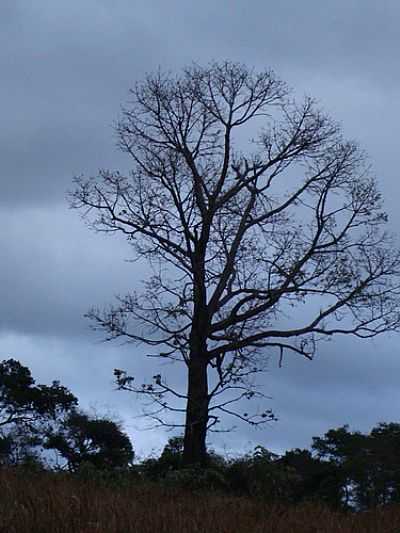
<point x="101" y="442"/>
<point x="238" y="235"/>
<point x="171" y="459"/>
<point x="27" y="411"/>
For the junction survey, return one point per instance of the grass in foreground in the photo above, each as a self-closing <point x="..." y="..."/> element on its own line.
<point x="48" y="503"/>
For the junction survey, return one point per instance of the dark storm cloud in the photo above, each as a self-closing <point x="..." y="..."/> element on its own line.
<point x="65" y="69"/>
<point x="62" y="85"/>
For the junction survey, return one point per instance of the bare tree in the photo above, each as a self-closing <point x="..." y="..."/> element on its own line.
<point x="241" y="235"/>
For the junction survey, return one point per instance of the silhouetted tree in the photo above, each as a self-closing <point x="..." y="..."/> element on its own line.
<point x="172" y="454"/>
<point x="81" y="439"/>
<point x="313" y="478"/>
<point x="22" y="402"/>
<point x="238" y="234"/>
<point x="382" y="470"/>
<point x="27" y="411"/>
<point x="344" y="450"/>
<point x="368" y="465"/>
<point x="170" y="459"/>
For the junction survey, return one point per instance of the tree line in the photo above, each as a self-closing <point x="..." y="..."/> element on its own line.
<point x="42" y="427"/>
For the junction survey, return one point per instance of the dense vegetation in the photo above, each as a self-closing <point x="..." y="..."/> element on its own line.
<point x="62" y="469"/>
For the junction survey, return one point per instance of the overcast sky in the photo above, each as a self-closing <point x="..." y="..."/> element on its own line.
<point x="66" y="68"/>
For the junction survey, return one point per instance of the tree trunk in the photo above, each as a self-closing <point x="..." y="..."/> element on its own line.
<point x="194" y="451"/>
<point x="194" y="447"/>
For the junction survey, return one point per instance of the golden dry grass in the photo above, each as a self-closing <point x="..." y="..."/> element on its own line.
<point x="45" y="503"/>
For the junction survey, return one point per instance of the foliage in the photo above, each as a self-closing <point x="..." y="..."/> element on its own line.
<point x="36" y="417"/>
<point x="314" y="479"/>
<point x="368" y="465"/>
<point x="100" y="442"/>
<point x="344" y="470"/>
<point x="23" y="402"/>
<point x="171" y="459"/>
<point x="197" y="478"/>
<point x="170" y="469"/>
<point x="27" y="411"/>
<point x="261" y="475"/>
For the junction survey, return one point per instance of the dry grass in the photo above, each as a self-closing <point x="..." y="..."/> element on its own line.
<point x="44" y="503"/>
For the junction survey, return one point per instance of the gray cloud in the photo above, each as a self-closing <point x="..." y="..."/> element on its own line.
<point x="53" y="269"/>
<point x="63" y="82"/>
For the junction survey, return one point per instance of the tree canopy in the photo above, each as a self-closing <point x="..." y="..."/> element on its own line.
<point x="99" y="441"/>
<point x="23" y="402"/>
<point x="250" y="206"/>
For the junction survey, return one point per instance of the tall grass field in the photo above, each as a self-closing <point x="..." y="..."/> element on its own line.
<point x="58" y="503"/>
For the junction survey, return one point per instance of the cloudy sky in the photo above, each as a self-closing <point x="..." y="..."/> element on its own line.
<point x="66" y="68"/>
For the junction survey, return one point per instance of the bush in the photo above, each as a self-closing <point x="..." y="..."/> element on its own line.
<point x="196" y="478"/>
<point x="260" y="475"/>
